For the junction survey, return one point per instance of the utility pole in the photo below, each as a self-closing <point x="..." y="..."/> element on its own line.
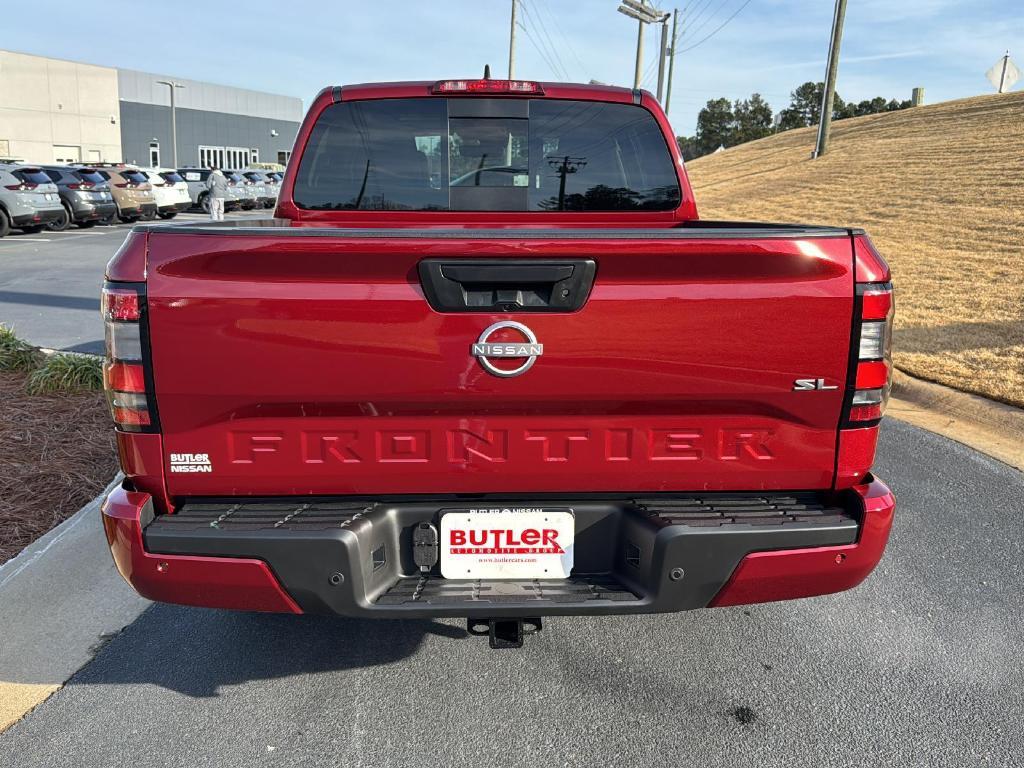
<point x="174" y="119"/>
<point x="829" y="94"/>
<point x="639" y="50"/>
<point x="672" y="58"/>
<point x="644" y="15"/>
<point x="512" y="44"/>
<point x="661" y="58"/>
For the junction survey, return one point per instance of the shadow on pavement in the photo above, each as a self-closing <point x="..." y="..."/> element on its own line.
<point x="196" y="651"/>
<point x="92" y="347"/>
<point x="92" y="304"/>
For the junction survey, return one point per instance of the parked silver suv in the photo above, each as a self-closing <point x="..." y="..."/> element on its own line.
<point x="266" y="185"/>
<point x="28" y="198"/>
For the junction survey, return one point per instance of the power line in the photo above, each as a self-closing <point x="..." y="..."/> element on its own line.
<point x="568" y="44"/>
<point x="532" y="17"/>
<point x="536" y="47"/>
<point x="717" y="29"/>
<point x="695" y="27"/>
<point x="694" y="15"/>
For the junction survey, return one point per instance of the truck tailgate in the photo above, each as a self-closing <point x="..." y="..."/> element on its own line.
<point x="309" y="361"/>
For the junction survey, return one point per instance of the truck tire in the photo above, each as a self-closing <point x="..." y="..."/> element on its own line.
<point x="204" y="202"/>
<point x="5" y="224"/>
<point x="169" y="215"/>
<point x="59" y="225"/>
<point x="148" y="216"/>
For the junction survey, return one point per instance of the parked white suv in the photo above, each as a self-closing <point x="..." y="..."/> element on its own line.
<point x="171" y="192"/>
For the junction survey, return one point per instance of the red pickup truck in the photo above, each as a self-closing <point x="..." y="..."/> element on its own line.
<point x="487" y="362"/>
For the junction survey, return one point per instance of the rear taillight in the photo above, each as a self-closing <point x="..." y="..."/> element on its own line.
<point x="23" y="187"/>
<point x="125" y="378"/>
<point x="81" y="185"/>
<point x="873" y="373"/>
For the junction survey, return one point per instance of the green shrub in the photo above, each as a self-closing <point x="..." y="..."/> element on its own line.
<point x="15" y="354"/>
<point x="67" y="373"/>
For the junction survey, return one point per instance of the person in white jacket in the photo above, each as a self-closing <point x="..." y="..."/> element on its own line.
<point x="217" y="183"/>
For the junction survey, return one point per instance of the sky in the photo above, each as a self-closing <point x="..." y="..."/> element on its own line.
<point x="768" y="46"/>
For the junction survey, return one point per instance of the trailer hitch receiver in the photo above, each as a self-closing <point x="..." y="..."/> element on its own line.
<point x="504" y="633"/>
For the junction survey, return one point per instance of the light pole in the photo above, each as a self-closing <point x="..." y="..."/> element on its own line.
<point x="171" y="85"/>
<point x="644" y="15"/>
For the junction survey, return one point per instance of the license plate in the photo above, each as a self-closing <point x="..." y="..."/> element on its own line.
<point x="507" y="543"/>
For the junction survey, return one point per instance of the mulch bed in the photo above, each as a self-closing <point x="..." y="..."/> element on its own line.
<point x="57" y="452"/>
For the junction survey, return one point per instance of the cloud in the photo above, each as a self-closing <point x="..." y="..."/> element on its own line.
<point x="846" y="60"/>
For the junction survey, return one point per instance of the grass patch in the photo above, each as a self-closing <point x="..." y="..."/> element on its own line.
<point x="939" y="190"/>
<point x="66" y="373"/>
<point x="15" y="354"/>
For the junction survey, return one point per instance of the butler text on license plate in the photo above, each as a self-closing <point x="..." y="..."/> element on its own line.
<point x="507" y="543"/>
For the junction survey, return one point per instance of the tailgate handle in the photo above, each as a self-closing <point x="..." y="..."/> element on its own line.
<point x="506" y="285"/>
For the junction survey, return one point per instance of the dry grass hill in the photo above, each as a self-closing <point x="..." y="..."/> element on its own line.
<point x="940" y="188"/>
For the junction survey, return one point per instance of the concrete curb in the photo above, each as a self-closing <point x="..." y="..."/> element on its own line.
<point x="992" y="428"/>
<point x="61" y="598"/>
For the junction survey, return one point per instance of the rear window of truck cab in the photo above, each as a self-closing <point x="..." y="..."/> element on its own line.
<point x="435" y="154"/>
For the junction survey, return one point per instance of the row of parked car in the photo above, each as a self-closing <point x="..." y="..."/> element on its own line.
<point x="56" y="196"/>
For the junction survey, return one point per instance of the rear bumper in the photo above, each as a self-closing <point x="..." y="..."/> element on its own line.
<point x="355" y="558"/>
<point x="38" y="216"/>
<point x="177" y="207"/>
<point x="83" y="210"/>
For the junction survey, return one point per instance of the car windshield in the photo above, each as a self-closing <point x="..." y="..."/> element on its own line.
<point x="252" y="176"/>
<point x="135" y="177"/>
<point x="542" y="155"/>
<point x="232" y="176"/>
<point x="171" y="177"/>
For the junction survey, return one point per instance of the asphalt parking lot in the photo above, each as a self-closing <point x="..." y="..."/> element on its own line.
<point x="50" y="282"/>
<point x="921" y="665"/>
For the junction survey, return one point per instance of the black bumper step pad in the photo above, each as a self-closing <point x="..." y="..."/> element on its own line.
<point x="433" y="590"/>
<point x="354" y="556"/>
<point x="261" y="515"/>
<point x="717" y="511"/>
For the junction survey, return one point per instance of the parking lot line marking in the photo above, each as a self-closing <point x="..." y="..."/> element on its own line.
<point x="28" y="240"/>
<point x="81" y="234"/>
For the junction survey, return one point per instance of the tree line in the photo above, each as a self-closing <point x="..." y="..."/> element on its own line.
<point x="722" y="123"/>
